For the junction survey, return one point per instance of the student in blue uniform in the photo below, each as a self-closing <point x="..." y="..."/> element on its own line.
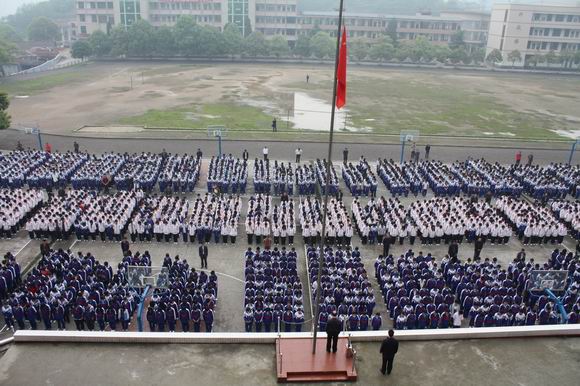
<point x="196" y="319"/>
<point x="184" y="317"/>
<point x="377" y="322"/>
<point x="248" y="319"/>
<point x="160" y="319"/>
<point x="208" y="318"/>
<point x="79" y="317"/>
<point x="32" y="316"/>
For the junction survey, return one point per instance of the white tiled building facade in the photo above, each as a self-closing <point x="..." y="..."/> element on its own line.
<point x="533" y="30"/>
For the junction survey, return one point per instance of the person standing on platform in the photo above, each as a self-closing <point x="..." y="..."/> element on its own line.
<point x="274" y="126"/>
<point x="427" y="151"/>
<point x="333" y="329"/>
<point x="389" y="348"/>
<point x="245" y="155"/>
<point x="518" y="157"/>
<point x="125" y="246"/>
<point x="298" y="153"/>
<point x="203" y="255"/>
<point x="345" y="155"/>
<point x="265" y="153"/>
<point x="530" y="159"/>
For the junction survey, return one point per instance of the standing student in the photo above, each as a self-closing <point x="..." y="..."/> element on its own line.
<point x="265" y="153"/>
<point x="203" y="255"/>
<point x="457" y="318"/>
<point x="389" y="348"/>
<point x="478" y="245"/>
<point x="427" y="151"/>
<point x="333" y="329"/>
<point x="518" y="157"/>
<point x="345" y="155"/>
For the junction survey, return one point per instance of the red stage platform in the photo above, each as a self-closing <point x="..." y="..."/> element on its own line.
<point x="295" y="362"/>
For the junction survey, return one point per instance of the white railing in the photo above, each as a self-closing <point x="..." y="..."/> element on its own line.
<point x="269" y="338"/>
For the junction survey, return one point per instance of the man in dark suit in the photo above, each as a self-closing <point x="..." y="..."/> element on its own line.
<point x="124" y="246"/>
<point x="45" y="248"/>
<point x="389" y="348"/>
<point x="386" y="245"/>
<point x="203" y="255"/>
<point x="333" y="328"/>
<point x="453" y="250"/>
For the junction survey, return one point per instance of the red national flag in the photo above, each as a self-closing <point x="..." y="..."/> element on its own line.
<point x="341" y="72"/>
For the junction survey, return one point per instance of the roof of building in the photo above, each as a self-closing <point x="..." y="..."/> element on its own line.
<point x="447" y="16"/>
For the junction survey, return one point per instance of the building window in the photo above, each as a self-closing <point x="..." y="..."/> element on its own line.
<point x="110" y="5"/>
<point x="83" y="29"/>
<point x="82" y="18"/>
<point x="94" y="18"/>
<point x="81" y="5"/>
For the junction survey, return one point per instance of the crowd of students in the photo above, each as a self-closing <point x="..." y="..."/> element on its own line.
<point x="345" y="287"/>
<point x="305" y="179"/>
<point x="382" y="217"/>
<point x="16" y="206"/>
<point x="533" y="223"/>
<point x="420" y="293"/>
<point x="320" y="167"/>
<point x="402" y="179"/>
<point x="179" y="173"/>
<point x="227" y="174"/>
<point x="339" y="228"/>
<point x="273" y="294"/>
<point x="359" y="178"/>
<point x="187" y="302"/>
<point x="66" y="287"/>
<point x="568" y="213"/>
<point x="264" y="220"/>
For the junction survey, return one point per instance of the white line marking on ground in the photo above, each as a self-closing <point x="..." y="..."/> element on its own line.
<point x="21" y="249"/>
<point x="222" y="274"/>
<point x="73" y="244"/>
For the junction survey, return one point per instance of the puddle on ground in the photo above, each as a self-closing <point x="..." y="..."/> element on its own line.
<point x="574" y="134"/>
<point x="314" y="114"/>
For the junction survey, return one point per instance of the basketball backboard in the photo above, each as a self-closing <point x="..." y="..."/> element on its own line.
<point x="141" y="277"/>
<point x="552" y="280"/>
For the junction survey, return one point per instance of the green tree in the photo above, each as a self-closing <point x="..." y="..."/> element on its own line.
<point x="212" y="42"/>
<point x="4" y="117"/>
<point x="119" y="41"/>
<point x="404" y="51"/>
<point x="459" y="54"/>
<point x="81" y="49"/>
<point x="359" y="48"/>
<point x="43" y="29"/>
<point x="256" y="45"/>
<point x="141" y="39"/>
<point x="7" y="51"/>
<point x="322" y="45"/>
<point x="478" y="55"/>
<point x="8" y="33"/>
<point x="101" y="43"/>
<point x="422" y="49"/>
<point x="494" y="57"/>
<point x="392" y="31"/>
<point x="515" y="56"/>
<point x="382" y="49"/>
<point x="233" y="39"/>
<point x="278" y="46"/>
<point x="302" y="46"/>
<point x="187" y="36"/>
<point x="457" y="40"/>
<point x="164" y="42"/>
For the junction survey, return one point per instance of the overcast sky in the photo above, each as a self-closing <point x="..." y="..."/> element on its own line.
<point x="8" y="7"/>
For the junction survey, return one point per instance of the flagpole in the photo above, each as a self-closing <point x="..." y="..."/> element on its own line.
<point x="328" y="169"/>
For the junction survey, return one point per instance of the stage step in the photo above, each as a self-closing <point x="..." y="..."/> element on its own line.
<point x="329" y="376"/>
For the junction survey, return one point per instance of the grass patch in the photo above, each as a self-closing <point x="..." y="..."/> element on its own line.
<point x="42" y="83"/>
<point x="233" y="116"/>
<point x="433" y="108"/>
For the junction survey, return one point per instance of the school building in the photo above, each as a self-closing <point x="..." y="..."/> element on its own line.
<point x="533" y="30"/>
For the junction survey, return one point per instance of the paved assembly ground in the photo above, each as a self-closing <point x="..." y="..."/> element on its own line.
<point x="518" y="362"/>
<point x="228" y="261"/>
